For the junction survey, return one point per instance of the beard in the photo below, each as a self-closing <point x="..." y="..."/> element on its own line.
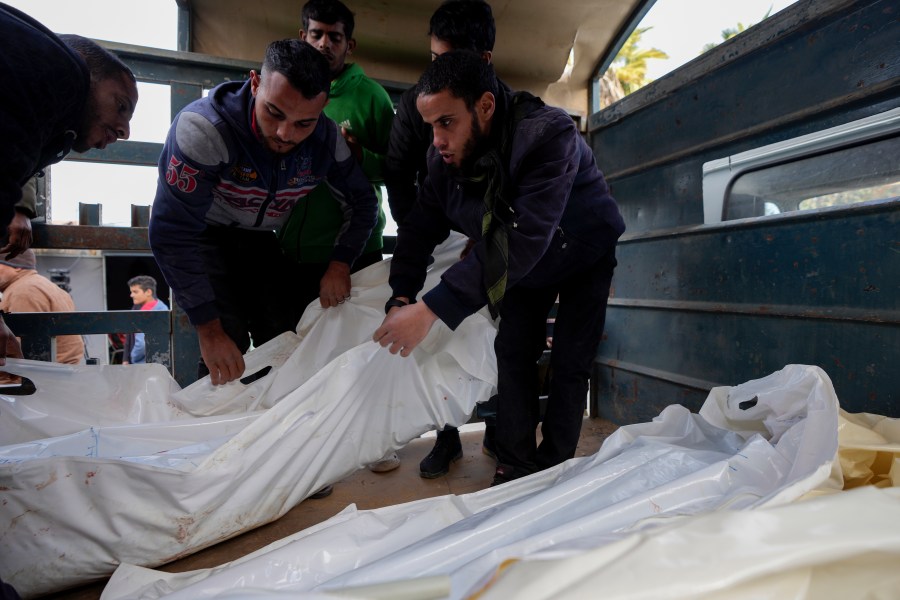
<point x="474" y="147"/>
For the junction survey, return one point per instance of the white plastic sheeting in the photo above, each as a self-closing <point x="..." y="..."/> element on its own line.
<point x="685" y="506"/>
<point x="114" y="464"/>
<point x="840" y="547"/>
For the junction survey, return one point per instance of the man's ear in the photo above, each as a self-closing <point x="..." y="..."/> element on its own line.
<point x="254" y="82"/>
<point x="351" y="45"/>
<point x="485" y="107"/>
<point x="302" y="35"/>
<point x="486" y="56"/>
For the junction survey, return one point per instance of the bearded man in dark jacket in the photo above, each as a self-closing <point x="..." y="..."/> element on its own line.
<point x="454" y="25"/>
<point x="517" y="177"/>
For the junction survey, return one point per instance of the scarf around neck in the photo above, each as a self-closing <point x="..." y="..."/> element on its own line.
<point x="492" y="169"/>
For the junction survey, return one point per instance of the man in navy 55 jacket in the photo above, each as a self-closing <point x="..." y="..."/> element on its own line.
<point x="233" y="167"/>
<point x="517" y="177"/>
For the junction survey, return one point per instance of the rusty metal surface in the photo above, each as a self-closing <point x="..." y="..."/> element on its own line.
<point x="89" y="237"/>
<point x="185" y="348"/>
<point x="733" y="302"/>
<point x="124" y="152"/>
<point x="627" y="393"/>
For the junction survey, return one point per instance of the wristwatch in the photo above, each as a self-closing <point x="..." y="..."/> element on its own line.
<point x="394" y="302"/>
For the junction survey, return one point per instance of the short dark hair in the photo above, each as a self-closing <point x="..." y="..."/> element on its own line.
<point x="330" y="12"/>
<point x="305" y="68"/>
<point x="145" y="282"/>
<point x="102" y="63"/>
<point x="462" y="72"/>
<point x="465" y="25"/>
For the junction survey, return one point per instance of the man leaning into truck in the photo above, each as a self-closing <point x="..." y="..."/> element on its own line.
<point x="517" y="177"/>
<point x="233" y="166"/>
<point x="454" y="25"/>
<point x="62" y="93"/>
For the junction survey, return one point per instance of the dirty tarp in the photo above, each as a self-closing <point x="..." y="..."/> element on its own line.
<point x="743" y="500"/>
<point x="114" y="464"/>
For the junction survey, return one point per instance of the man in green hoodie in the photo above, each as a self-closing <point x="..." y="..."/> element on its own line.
<point x="364" y="112"/>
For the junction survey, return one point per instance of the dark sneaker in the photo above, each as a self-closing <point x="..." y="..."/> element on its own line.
<point x="323" y="493"/>
<point x="447" y="449"/>
<point x="487" y="444"/>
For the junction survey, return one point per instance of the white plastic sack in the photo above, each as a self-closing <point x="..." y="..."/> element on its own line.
<point x="761" y="444"/>
<point x="139" y="472"/>
<point x="140" y="394"/>
<point x="840" y="546"/>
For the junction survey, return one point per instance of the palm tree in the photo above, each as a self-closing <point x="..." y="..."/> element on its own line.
<point x="730" y="32"/>
<point x="727" y="34"/>
<point x="630" y="64"/>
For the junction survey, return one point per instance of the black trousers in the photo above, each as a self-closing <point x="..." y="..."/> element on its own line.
<point x="521" y="339"/>
<point x="247" y="271"/>
<point x="260" y="293"/>
<point x="301" y="282"/>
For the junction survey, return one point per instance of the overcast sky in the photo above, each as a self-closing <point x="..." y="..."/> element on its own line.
<point x="679" y="27"/>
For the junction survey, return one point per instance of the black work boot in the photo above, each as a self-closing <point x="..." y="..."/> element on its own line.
<point x="447" y="449"/>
